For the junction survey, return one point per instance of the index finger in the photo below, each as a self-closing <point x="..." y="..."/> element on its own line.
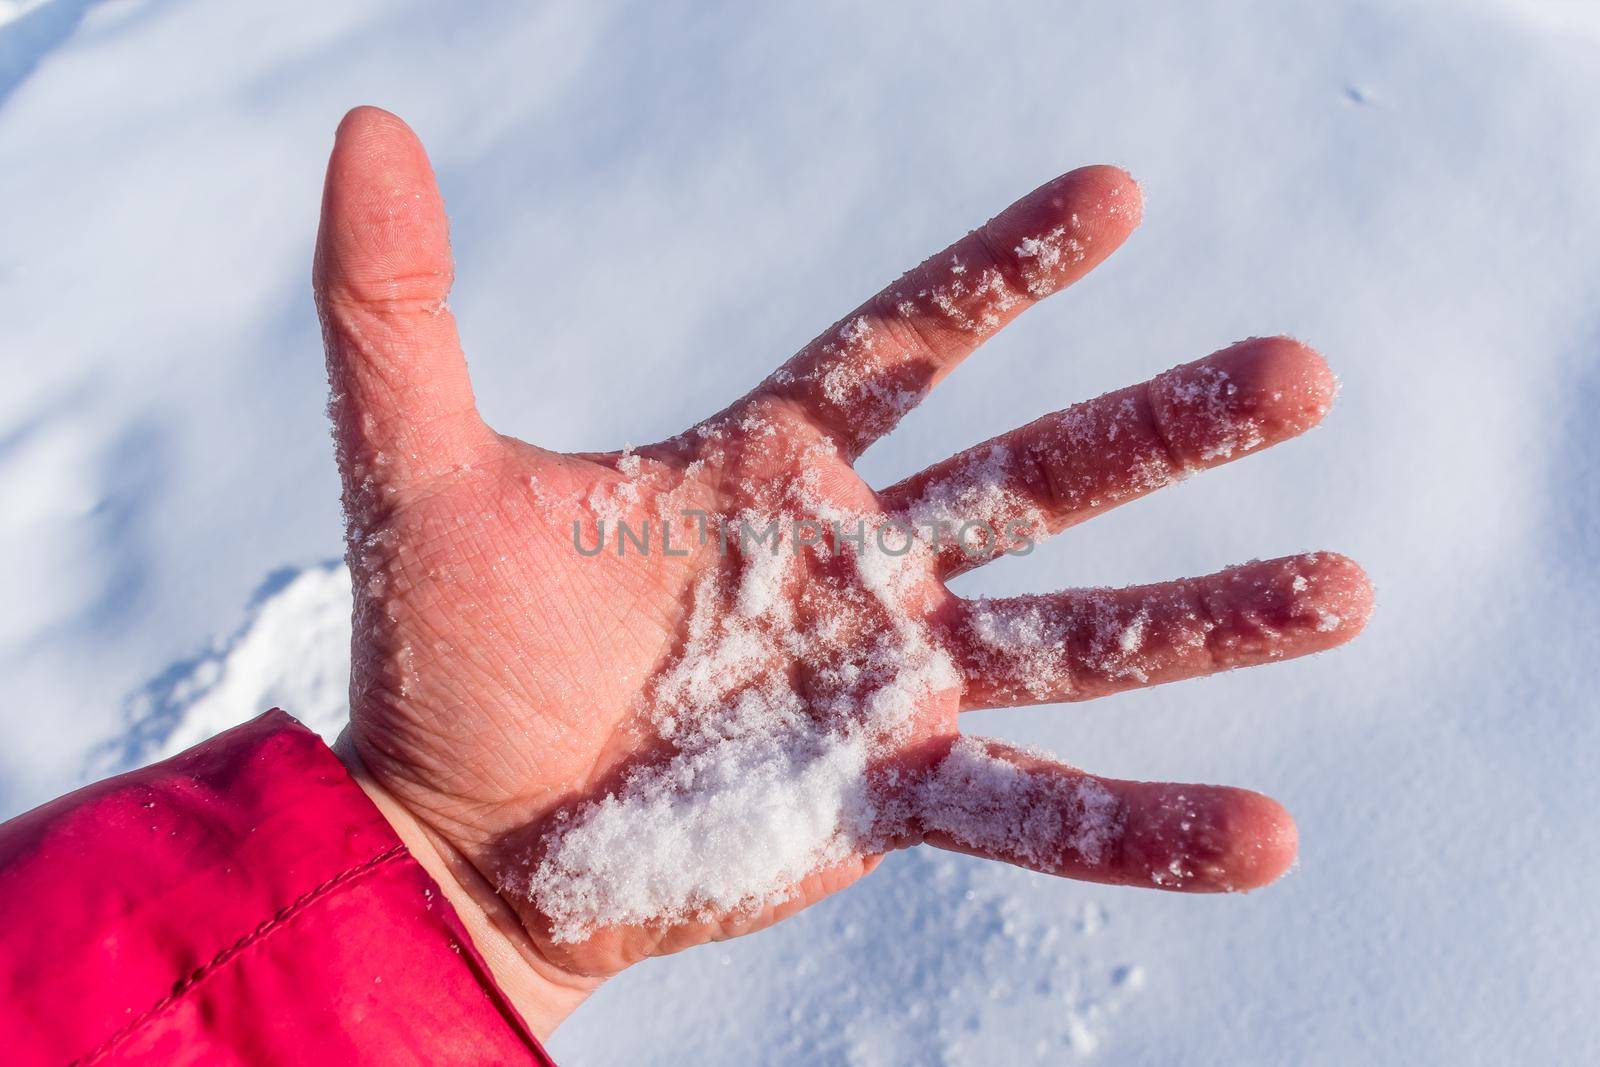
<point x="865" y="372"/>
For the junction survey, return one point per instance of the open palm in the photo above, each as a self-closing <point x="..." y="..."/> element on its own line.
<point x="520" y="696"/>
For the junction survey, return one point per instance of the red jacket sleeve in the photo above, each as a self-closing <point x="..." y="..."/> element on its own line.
<point x="241" y="903"/>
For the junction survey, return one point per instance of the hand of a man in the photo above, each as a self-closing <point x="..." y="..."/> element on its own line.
<point x="611" y="756"/>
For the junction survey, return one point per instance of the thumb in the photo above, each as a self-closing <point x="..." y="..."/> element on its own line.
<point x="402" y="403"/>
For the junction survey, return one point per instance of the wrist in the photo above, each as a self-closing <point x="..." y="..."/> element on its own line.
<point x="543" y="994"/>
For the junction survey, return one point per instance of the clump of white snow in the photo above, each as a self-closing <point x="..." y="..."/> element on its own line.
<point x="776" y="716"/>
<point x="718" y="828"/>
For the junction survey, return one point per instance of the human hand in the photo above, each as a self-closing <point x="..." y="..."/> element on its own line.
<point x="608" y="757"/>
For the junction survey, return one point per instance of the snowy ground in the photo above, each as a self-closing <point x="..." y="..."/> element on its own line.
<point x="651" y="207"/>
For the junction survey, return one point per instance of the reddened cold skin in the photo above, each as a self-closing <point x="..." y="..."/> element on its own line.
<point x="504" y="686"/>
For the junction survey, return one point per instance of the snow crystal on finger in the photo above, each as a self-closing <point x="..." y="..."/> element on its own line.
<point x="1203" y="400"/>
<point x="1000" y="808"/>
<point x="979" y="490"/>
<point x="1020" y="642"/>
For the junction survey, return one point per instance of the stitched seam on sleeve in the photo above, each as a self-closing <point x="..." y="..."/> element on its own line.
<point x="223" y="958"/>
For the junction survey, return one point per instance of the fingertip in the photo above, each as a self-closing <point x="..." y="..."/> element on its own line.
<point x="1131" y="192"/>
<point x="1104" y="202"/>
<point x="1264" y="840"/>
<point x="1214" y="839"/>
<point x="1284" y="385"/>
<point x="1244" y="398"/>
<point x="384" y="236"/>
<point x="377" y="144"/>
<point x="1111" y="191"/>
<point x="1065" y="228"/>
<point x="1277" y="609"/>
<point x="1338" y="592"/>
<point x="368" y="116"/>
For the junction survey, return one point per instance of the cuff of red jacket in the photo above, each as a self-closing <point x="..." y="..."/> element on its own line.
<point x="243" y="901"/>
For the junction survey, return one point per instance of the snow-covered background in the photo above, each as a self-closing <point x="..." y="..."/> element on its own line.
<point x="653" y="204"/>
